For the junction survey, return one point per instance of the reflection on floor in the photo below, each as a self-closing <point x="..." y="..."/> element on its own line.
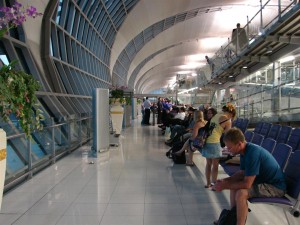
<point x="132" y="184"/>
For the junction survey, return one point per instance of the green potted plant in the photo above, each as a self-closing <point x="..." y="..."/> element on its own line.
<point x="17" y="89"/>
<point x="17" y="95"/>
<point x="117" y="95"/>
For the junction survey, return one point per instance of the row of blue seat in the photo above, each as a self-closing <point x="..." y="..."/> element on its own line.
<point x="280" y="151"/>
<point x="241" y="123"/>
<point x="282" y="134"/>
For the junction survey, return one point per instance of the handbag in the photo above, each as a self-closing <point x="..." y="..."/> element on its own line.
<point x="199" y="141"/>
<point x="203" y="133"/>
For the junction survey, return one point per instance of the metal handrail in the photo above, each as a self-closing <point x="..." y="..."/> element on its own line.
<point x="53" y="153"/>
<point x="221" y="53"/>
<point x="49" y="127"/>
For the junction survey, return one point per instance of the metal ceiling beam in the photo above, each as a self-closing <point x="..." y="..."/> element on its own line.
<point x="284" y="39"/>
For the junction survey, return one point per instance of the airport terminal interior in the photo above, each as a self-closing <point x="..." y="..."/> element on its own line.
<point x="84" y="169"/>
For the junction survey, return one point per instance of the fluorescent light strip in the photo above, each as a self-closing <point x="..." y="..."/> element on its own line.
<point x="182" y="92"/>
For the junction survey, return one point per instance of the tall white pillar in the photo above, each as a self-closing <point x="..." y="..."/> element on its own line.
<point x="100" y="120"/>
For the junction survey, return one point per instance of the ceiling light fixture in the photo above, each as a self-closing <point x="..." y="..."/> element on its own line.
<point x="286" y="59"/>
<point x="182" y="92"/>
<point x="269" y="50"/>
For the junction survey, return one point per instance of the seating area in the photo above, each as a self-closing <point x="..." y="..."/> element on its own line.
<point x="283" y="142"/>
<point x="241" y="123"/>
<point x="263" y="130"/>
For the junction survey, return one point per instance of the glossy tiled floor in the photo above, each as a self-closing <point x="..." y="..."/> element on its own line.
<point x="134" y="184"/>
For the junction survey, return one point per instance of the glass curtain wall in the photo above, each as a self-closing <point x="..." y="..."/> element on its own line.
<point x="271" y="94"/>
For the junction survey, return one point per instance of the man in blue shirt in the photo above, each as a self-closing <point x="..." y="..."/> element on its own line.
<point x="259" y="175"/>
<point x="147" y="105"/>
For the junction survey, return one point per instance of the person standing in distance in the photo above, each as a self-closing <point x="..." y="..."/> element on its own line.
<point x="147" y="105"/>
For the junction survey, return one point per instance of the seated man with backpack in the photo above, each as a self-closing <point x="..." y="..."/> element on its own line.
<point x="259" y="175"/>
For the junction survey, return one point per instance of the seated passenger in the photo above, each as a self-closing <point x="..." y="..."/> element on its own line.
<point x="176" y="116"/>
<point x="180" y="129"/>
<point x="181" y="114"/>
<point x="199" y="123"/>
<point x="259" y="175"/>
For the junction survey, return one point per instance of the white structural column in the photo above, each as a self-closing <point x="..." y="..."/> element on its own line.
<point x="100" y="120"/>
<point x="2" y="162"/>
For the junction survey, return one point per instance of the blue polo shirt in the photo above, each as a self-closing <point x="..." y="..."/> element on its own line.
<point x="258" y="162"/>
<point x="165" y="106"/>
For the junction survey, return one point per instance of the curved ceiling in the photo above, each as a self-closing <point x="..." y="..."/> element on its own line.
<point x="149" y="51"/>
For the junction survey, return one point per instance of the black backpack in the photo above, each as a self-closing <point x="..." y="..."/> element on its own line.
<point x="228" y="217"/>
<point x="177" y="159"/>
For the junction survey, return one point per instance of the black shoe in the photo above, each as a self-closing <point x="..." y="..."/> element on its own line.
<point x="169" y="144"/>
<point x="169" y="141"/>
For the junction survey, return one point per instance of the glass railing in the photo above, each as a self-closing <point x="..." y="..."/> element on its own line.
<point x="26" y="155"/>
<point x="271" y="95"/>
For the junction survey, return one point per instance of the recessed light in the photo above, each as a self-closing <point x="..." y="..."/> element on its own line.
<point x="230" y="76"/>
<point x="245" y="67"/>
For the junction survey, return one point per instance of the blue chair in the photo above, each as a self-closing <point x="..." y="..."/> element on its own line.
<point x="258" y="127"/>
<point x="294" y="139"/>
<point x="244" y="125"/>
<point x="284" y="134"/>
<point x="282" y="153"/>
<point x="230" y="169"/>
<point x="257" y="139"/>
<point x="248" y="135"/>
<point x="265" y="129"/>
<point x="233" y="123"/>
<point x="274" y="131"/>
<point x="291" y="201"/>
<point x="238" y="123"/>
<point x="268" y="144"/>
